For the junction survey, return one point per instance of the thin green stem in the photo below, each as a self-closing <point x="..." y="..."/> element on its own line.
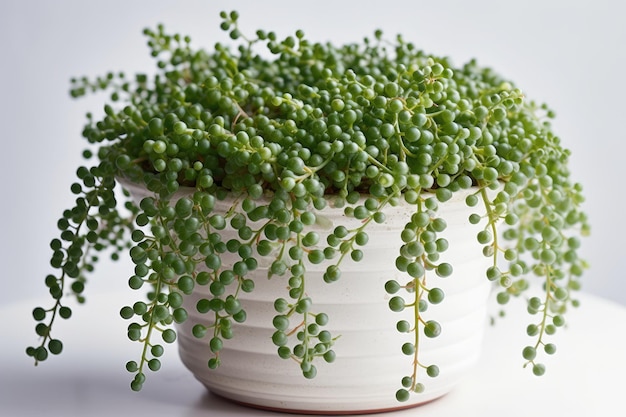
<point x="492" y="224"/>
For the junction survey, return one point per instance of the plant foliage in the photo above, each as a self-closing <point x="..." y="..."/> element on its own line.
<point x="288" y="126"/>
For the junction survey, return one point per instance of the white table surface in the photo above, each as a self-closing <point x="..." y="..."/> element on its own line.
<point x="584" y="378"/>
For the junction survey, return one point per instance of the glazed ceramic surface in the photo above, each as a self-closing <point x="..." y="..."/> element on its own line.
<point x="369" y="362"/>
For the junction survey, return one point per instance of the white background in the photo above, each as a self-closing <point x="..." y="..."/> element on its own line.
<point x="569" y="54"/>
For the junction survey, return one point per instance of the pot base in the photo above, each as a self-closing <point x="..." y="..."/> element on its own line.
<point x="318" y="412"/>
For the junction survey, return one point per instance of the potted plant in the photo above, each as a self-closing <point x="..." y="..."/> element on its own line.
<point x="269" y="172"/>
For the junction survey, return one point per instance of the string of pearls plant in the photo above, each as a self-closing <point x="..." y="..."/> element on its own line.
<point x="288" y="130"/>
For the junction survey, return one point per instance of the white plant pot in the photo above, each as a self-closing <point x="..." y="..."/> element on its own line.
<point x="369" y="364"/>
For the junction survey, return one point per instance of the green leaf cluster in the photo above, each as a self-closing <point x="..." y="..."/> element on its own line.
<point x="286" y="127"/>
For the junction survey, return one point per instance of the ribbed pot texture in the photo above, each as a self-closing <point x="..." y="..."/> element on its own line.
<point x="369" y="362"/>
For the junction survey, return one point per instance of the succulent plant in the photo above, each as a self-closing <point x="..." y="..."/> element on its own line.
<point x="287" y="127"/>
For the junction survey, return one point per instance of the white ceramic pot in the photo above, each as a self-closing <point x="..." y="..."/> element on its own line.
<point x="369" y="362"/>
